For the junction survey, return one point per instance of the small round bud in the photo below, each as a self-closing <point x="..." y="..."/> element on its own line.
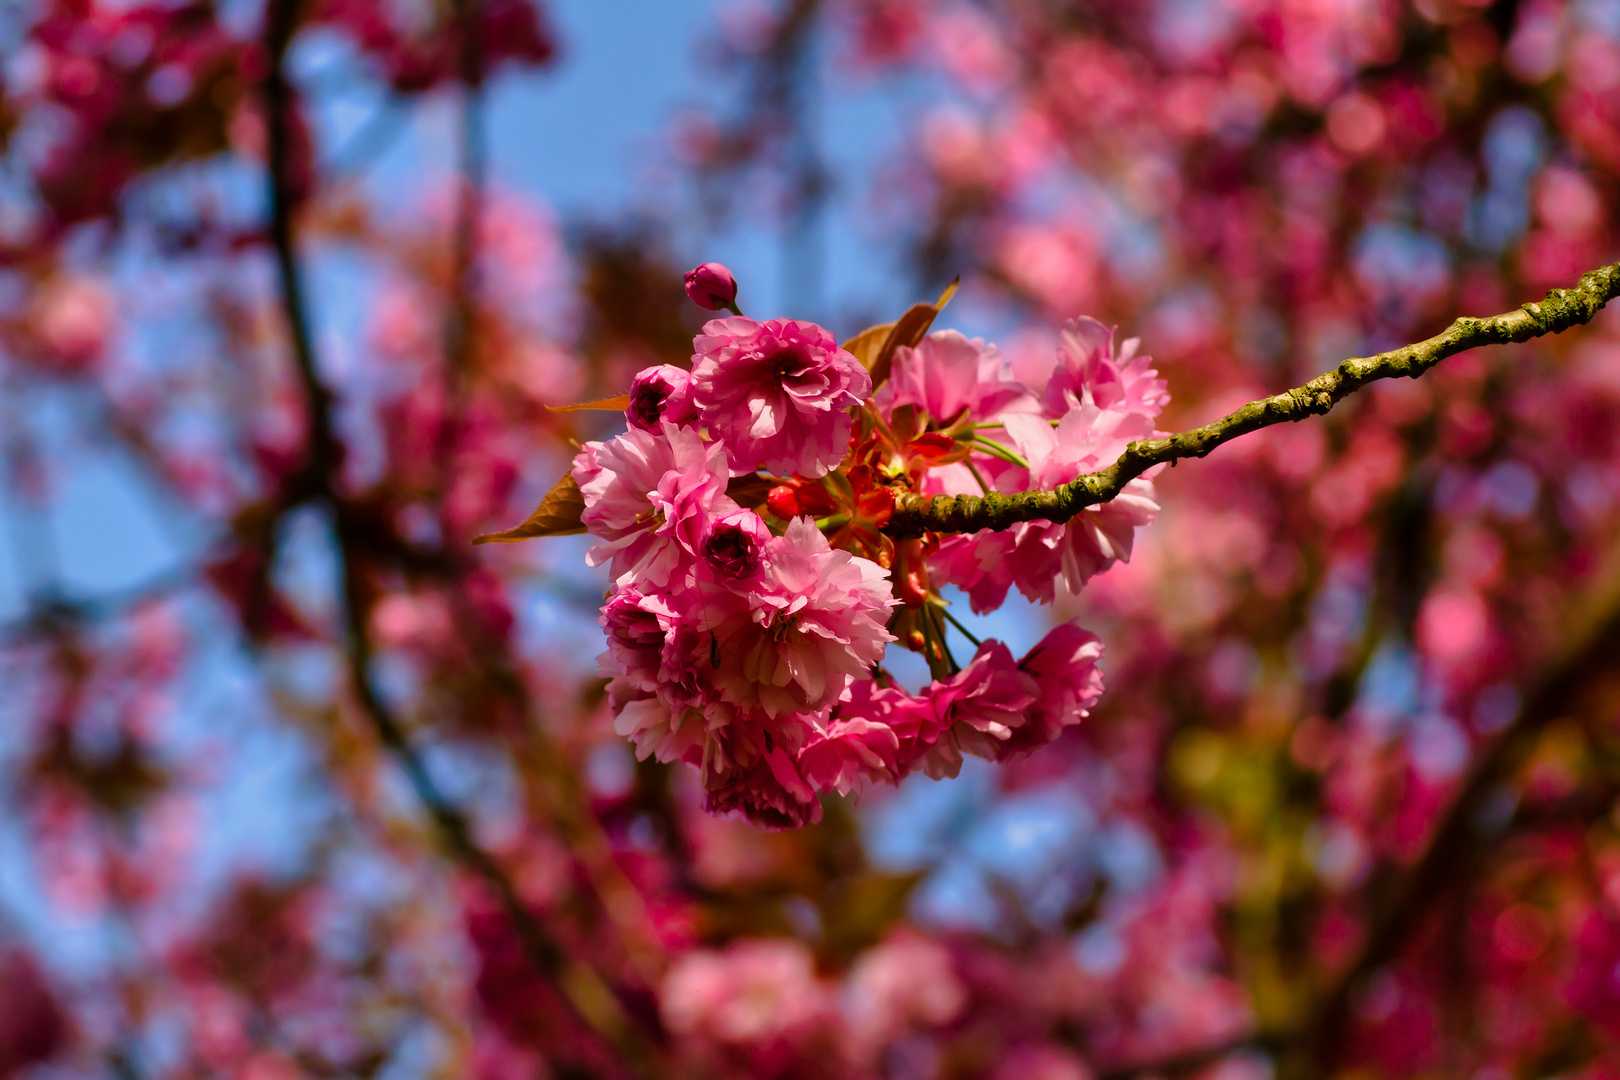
<point x="711" y="286"/>
<point x="658" y="394"/>
<point x="783" y="502"/>
<point x="733" y="545"/>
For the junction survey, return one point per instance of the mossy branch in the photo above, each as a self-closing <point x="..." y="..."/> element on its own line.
<point x="1561" y="310"/>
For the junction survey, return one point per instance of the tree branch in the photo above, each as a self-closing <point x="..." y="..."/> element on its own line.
<point x="588" y="994"/>
<point x="1561" y="310"/>
<point x="1587" y="650"/>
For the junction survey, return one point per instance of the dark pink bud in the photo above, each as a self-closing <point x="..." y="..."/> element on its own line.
<point x="658" y="394"/>
<point x="711" y="286"/>
<point x="733" y="544"/>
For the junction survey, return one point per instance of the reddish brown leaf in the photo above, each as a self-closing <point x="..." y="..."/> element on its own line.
<point x="612" y="404"/>
<point x="875" y="346"/>
<point x="558" y="514"/>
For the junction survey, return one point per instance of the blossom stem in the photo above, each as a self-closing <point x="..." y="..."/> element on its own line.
<point x="995" y="449"/>
<point x="951" y="666"/>
<point x="977" y="475"/>
<point x="940" y="606"/>
<point x="915" y="514"/>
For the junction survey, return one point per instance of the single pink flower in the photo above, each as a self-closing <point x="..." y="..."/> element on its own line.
<point x="736" y="544"/>
<point x="985" y="702"/>
<point x="1064" y="667"/>
<point x="651" y="497"/>
<point x="656" y="643"/>
<point x="778" y="393"/>
<point x="850" y="754"/>
<point x="1089" y="370"/>
<point x="906" y="981"/>
<point x="711" y="286"/>
<point x="812" y="621"/>
<point x="656" y="729"/>
<point x="752" y="993"/>
<point x="770" y="792"/>
<point x="637" y="627"/>
<point x="658" y="394"/>
<point x="1033" y="554"/>
<point x="948" y="374"/>
<point x="915" y="722"/>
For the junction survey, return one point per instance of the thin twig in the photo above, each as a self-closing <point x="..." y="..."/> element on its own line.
<point x="1562" y="309"/>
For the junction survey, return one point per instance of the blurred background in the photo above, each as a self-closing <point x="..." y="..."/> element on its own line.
<point x="297" y="782"/>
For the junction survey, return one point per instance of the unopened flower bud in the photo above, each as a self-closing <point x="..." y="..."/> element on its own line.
<point x="733" y="545"/>
<point x="711" y="286"/>
<point x="658" y="394"/>
<point x="783" y="502"/>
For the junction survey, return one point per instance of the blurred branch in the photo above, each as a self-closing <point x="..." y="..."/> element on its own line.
<point x="1560" y="311"/>
<point x="1311" y="1048"/>
<point x="1587" y="651"/>
<point x="584" y="989"/>
<point x="54" y="609"/>
<point x="1190" y="1061"/>
<point x="469" y="199"/>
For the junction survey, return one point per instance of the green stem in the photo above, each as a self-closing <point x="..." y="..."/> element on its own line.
<point x="995" y="449"/>
<point x="939" y="605"/>
<point x="998" y="424"/>
<point x="974" y="469"/>
<point x="1561" y="310"/>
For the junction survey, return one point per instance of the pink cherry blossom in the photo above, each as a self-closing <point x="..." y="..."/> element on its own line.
<point x="850" y="754"/>
<point x="770" y="792"/>
<point x="752" y="993"/>
<point x="637" y="627"/>
<point x="655" y="642"/>
<point x="651" y="497"/>
<point x="735" y="544"/>
<point x="813" y="621"/>
<point x="906" y="981"/>
<point x="1089" y="369"/>
<point x="949" y="374"/>
<point x="778" y="393"/>
<point x="654" y="727"/>
<point x="1068" y="684"/>
<point x="980" y="706"/>
<point x="1032" y="555"/>
<point x="658" y="394"/>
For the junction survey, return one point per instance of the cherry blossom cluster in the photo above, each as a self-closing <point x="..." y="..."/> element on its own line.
<point x="755" y="592"/>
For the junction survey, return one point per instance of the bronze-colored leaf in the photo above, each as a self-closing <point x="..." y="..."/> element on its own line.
<point x="865" y="345"/>
<point x="611" y="404"/>
<point x="558" y="514"/>
<point x="875" y="346"/>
